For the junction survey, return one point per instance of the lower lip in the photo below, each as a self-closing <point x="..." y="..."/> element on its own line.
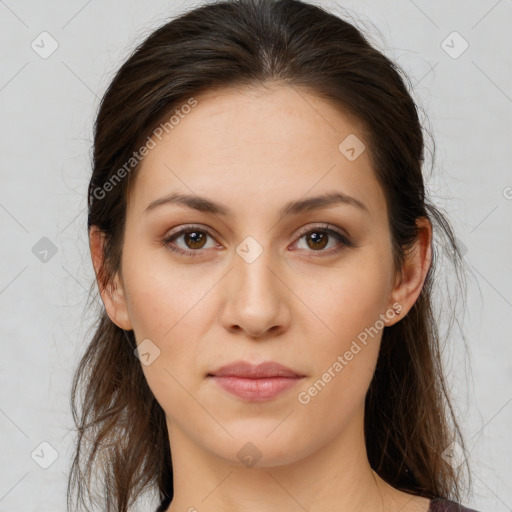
<point x="256" y="390"/>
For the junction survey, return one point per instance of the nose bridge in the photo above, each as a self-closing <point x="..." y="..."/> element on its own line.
<point x="252" y="263"/>
<point x="255" y="301"/>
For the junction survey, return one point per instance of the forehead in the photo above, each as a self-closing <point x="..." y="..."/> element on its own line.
<point x="262" y="144"/>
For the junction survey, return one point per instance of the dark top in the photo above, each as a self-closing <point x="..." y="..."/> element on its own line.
<point x="436" y="505"/>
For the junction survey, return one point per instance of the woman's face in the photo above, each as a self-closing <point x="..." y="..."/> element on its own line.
<point x="265" y="278"/>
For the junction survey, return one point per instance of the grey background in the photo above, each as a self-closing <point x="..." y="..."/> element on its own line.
<point x="47" y="109"/>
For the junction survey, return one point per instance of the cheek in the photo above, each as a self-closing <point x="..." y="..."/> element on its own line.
<point x="344" y="359"/>
<point x="161" y="296"/>
<point x="171" y="305"/>
<point x="348" y="299"/>
<point x="165" y="307"/>
<point x="151" y="305"/>
<point x="350" y="309"/>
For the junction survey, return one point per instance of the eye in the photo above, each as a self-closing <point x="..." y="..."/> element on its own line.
<point x="194" y="238"/>
<point x="317" y="238"/>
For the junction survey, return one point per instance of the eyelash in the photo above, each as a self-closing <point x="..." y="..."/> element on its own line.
<point x="168" y="241"/>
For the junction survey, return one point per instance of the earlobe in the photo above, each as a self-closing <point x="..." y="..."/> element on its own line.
<point x="111" y="291"/>
<point x="409" y="284"/>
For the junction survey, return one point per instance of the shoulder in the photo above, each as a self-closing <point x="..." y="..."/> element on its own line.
<point x="442" y="505"/>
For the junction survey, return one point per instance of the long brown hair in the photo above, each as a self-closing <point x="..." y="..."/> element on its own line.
<point x="122" y="443"/>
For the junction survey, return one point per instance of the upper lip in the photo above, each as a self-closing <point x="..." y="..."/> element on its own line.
<point x="251" y="371"/>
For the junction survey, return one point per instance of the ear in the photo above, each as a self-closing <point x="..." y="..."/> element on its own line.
<point x="417" y="262"/>
<point x="112" y="293"/>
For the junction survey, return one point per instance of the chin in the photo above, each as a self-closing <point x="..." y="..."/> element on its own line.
<point x="259" y="449"/>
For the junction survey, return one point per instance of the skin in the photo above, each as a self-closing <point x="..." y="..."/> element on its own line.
<point x="253" y="150"/>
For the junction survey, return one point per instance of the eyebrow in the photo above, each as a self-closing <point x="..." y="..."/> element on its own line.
<point x="206" y="205"/>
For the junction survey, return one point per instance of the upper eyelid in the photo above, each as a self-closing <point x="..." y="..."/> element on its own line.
<point x="324" y="225"/>
<point x="187" y="227"/>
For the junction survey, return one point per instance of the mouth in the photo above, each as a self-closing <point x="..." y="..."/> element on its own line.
<point x="255" y="383"/>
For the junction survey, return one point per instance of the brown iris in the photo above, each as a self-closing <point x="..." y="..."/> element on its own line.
<point x="319" y="238"/>
<point x="197" y="238"/>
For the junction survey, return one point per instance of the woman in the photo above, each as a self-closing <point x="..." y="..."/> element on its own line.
<point x="265" y="253"/>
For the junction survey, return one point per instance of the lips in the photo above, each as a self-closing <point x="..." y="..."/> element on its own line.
<point x="255" y="383"/>
<point x="263" y="370"/>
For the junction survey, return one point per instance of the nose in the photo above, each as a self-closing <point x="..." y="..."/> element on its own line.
<point x="256" y="298"/>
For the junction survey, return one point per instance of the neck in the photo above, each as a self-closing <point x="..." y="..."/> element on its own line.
<point x="337" y="476"/>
